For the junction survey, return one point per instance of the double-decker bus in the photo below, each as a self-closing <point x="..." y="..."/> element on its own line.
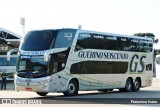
<point x="8" y="66"/>
<point x="72" y="60"/>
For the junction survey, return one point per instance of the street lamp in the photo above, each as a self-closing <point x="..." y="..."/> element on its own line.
<point x="22" y="22"/>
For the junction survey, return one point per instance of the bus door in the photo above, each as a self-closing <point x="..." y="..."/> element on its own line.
<point x="56" y="80"/>
<point x="57" y="65"/>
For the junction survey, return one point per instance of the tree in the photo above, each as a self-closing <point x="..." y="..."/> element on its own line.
<point x="149" y="35"/>
<point x="156" y="40"/>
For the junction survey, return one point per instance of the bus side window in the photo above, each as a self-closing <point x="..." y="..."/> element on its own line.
<point x="83" y="42"/>
<point x="55" y="68"/>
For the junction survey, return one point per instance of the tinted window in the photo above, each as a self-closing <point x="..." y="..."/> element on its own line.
<point x="108" y="42"/>
<point x="83" y="42"/>
<point x="111" y="42"/>
<point x="123" y="44"/>
<point x="99" y="67"/>
<point x="38" y="40"/>
<point x="140" y="45"/>
<point x="12" y="62"/>
<point x="58" y="61"/>
<point x="4" y="62"/>
<point x="134" y="44"/>
<point x="96" y="41"/>
<point x="64" y="38"/>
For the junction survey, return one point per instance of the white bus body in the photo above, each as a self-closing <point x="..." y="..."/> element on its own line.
<point x="77" y="60"/>
<point x="9" y="67"/>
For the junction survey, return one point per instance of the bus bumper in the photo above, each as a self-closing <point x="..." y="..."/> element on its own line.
<point x="34" y="85"/>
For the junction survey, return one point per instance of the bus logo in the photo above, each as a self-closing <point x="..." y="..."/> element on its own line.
<point x="134" y="63"/>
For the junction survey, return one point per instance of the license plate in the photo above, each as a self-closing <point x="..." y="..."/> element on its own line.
<point x="28" y="89"/>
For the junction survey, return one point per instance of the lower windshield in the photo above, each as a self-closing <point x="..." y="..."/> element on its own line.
<point x="31" y="67"/>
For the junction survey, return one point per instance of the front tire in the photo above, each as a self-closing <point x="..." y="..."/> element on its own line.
<point x="72" y="89"/>
<point x="42" y="93"/>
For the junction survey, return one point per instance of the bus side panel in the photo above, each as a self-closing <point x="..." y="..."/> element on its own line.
<point x="91" y="81"/>
<point x="107" y="81"/>
<point x="119" y="80"/>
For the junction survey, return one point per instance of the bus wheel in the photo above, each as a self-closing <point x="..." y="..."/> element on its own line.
<point x="128" y="86"/>
<point x="136" y="85"/>
<point x="42" y="93"/>
<point x="72" y="89"/>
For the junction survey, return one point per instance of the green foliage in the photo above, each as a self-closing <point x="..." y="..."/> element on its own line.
<point x="156" y="40"/>
<point x="145" y="35"/>
<point x="149" y="35"/>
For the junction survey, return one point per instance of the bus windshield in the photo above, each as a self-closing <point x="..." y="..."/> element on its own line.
<point x="47" y="39"/>
<point x="31" y="67"/>
<point x="38" y="40"/>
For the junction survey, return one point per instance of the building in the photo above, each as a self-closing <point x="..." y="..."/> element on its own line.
<point x="8" y="40"/>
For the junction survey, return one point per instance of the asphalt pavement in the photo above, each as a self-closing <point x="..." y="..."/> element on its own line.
<point x="9" y="86"/>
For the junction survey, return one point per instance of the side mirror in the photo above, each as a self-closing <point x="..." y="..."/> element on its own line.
<point x="158" y="59"/>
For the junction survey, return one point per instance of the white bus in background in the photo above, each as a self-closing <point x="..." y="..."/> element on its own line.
<point x="8" y="66"/>
<point x="72" y="60"/>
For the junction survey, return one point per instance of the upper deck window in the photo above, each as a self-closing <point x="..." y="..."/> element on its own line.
<point x="38" y="40"/>
<point x="64" y="38"/>
<point x="46" y="39"/>
<point x="96" y="41"/>
<point x="111" y="42"/>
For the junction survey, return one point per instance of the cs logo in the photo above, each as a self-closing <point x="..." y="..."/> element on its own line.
<point x="134" y="63"/>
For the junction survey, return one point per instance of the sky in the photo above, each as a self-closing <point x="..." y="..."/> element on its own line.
<point x="113" y="16"/>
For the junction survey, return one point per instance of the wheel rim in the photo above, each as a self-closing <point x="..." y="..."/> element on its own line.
<point x="128" y="85"/>
<point x="71" y="88"/>
<point x="136" y="84"/>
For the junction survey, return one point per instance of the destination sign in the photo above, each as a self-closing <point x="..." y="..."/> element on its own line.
<point x="32" y="52"/>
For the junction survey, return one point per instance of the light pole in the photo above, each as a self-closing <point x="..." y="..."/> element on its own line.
<point x="22" y="22"/>
<point x="79" y="26"/>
